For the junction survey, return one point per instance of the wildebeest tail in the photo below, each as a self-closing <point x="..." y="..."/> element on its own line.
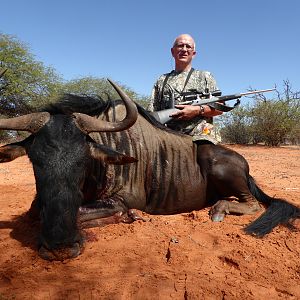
<point x="278" y="212"/>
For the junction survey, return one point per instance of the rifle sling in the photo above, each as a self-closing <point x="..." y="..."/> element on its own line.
<point x="223" y="107"/>
<point x="166" y="80"/>
<point x="187" y="79"/>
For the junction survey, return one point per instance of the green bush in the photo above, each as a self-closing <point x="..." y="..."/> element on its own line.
<point x="272" y="122"/>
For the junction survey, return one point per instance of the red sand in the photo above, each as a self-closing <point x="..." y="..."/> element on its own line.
<point x="169" y="257"/>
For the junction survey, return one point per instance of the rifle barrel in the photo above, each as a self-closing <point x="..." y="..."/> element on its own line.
<point x="257" y="92"/>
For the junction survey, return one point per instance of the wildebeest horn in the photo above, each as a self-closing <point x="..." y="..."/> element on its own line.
<point x="31" y="122"/>
<point x="89" y="124"/>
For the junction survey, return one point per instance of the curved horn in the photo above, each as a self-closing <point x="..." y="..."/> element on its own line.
<point x="31" y="122"/>
<point x="89" y="124"/>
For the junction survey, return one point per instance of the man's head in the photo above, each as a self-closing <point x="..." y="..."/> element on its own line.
<point x="183" y="51"/>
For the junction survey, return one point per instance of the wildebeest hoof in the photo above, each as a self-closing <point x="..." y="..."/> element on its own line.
<point x="135" y="216"/>
<point x="60" y="254"/>
<point x="217" y="217"/>
<point x="219" y="210"/>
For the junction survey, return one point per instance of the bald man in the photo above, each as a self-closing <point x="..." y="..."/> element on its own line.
<point x="167" y="91"/>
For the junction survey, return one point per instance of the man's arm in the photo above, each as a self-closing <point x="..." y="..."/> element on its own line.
<point x="188" y="112"/>
<point x="153" y="103"/>
<point x="152" y="99"/>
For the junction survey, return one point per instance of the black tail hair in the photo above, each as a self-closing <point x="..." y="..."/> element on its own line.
<point x="278" y="212"/>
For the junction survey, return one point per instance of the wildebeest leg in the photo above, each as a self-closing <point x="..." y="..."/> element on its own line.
<point x="34" y="210"/>
<point x="233" y="183"/>
<point x="108" y="211"/>
<point x="223" y="207"/>
<point x="119" y="217"/>
<point x="227" y="176"/>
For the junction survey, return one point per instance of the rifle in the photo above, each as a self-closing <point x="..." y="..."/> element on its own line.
<point x="194" y="98"/>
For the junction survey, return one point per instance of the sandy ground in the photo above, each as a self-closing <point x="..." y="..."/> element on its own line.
<point x="169" y="257"/>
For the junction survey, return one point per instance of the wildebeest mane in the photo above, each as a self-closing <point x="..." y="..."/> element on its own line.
<point x="70" y="103"/>
<point x="144" y="113"/>
<point x="93" y="106"/>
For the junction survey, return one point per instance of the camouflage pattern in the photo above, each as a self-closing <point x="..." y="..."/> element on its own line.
<point x="201" y="128"/>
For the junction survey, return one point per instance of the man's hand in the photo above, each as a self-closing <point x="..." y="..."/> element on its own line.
<point x="187" y="112"/>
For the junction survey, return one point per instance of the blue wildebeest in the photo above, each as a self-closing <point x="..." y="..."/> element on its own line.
<point x="91" y="170"/>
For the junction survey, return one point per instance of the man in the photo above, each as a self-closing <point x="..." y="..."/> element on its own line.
<point x="167" y="91"/>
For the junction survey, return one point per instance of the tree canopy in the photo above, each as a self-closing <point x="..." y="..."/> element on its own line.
<point x="93" y="86"/>
<point x="27" y="82"/>
<point x="272" y="122"/>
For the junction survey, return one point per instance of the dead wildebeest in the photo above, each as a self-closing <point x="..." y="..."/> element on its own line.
<point x="91" y="170"/>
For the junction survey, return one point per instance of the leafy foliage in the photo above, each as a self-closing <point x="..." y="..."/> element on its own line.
<point x="27" y="83"/>
<point x="273" y="121"/>
<point x="92" y="86"/>
<point x="235" y="126"/>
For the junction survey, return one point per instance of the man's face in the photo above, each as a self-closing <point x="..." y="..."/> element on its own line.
<point x="183" y="50"/>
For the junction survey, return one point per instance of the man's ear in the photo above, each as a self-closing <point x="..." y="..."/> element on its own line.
<point x="109" y="155"/>
<point x="172" y="51"/>
<point x="11" y="152"/>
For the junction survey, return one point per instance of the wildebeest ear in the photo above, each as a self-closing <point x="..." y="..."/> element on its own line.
<point x="110" y="156"/>
<point x="12" y="151"/>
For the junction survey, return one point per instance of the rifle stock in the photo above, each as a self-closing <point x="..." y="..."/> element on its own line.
<point x="163" y="116"/>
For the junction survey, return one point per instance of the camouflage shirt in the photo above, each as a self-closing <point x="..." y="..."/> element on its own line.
<point x="164" y="97"/>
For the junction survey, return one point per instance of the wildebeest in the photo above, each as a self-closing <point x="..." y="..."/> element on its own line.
<point x="95" y="162"/>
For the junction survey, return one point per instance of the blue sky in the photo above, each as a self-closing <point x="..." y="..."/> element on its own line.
<point x="243" y="43"/>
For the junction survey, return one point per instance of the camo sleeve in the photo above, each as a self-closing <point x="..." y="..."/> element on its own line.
<point x="154" y="103"/>
<point x="154" y="95"/>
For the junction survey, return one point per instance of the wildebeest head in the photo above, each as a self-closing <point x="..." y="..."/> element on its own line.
<point x="61" y="151"/>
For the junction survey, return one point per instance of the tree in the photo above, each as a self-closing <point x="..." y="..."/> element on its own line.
<point x="277" y="120"/>
<point x="93" y="86"/>
<point x="270" y="121"/>
<point x="27" y="83"/>
<point x="235" y="126"/>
